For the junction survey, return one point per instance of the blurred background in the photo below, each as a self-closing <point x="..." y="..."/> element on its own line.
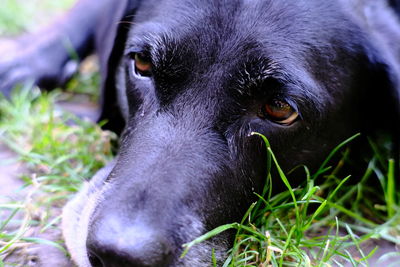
<point x="17" y="16"/>
<point x="46" y="151"/>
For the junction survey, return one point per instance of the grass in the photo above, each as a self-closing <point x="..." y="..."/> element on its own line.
<point x="285" y="229"/>
<point x="278" y="230"/>
<point x="56" y="147"/>
<point x="60" y="150"/>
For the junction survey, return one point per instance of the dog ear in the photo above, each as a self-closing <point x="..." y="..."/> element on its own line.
<point x="110" y="43"/>
<point x="383" y="97"/>
<point x="385" y="91"/>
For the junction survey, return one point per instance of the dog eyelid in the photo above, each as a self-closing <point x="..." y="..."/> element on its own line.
<point x="292" y="118"/>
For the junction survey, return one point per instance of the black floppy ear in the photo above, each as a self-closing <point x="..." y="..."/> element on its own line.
<point x="386" y="86"/>
<point x="110" y="41"/>
<point x="383" y="97"/>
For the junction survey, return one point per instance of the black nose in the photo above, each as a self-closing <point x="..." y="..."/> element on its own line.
<point x="113" y="244"/>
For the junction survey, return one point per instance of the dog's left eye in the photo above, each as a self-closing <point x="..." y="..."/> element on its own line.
<point x="280" y="112"/>
<point x="142" y="65"/>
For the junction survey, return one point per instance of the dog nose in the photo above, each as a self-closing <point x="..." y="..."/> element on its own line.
<point x="135" y="246"/>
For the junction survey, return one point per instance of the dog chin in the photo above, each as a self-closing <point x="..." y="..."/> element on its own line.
<point x="77" y="214"/>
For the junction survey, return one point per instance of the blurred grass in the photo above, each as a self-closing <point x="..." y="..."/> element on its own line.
<point x="59" y="149"/>
<point x="18" y="16"/>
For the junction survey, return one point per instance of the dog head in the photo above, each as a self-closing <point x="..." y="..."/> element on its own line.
<point x="197" y="78"/>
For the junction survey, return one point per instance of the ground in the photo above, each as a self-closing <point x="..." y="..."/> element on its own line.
<point x="12" y="190"/>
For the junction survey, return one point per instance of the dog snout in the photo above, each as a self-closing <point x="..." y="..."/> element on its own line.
<point x="113" y="243"/>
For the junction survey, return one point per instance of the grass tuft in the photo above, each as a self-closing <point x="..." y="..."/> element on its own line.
<point x="60" y="151"/>
<point x="316" y="224"/>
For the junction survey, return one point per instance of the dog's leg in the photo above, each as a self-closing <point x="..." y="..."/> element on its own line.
<point x="50" y="56"/>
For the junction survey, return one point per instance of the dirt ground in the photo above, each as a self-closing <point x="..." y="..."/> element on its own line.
<point x="11" y="190"/>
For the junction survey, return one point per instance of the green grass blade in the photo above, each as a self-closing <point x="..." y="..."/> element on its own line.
<point x="391" y="191"/>
<point x="333" y="152"/>
<point x="208" y="235"/>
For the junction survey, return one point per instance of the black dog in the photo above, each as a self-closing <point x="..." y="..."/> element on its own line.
<point x="189" y="81"/>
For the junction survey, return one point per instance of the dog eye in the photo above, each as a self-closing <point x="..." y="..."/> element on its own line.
<point x="280" y="112"/>
<point x="142" y="64"/>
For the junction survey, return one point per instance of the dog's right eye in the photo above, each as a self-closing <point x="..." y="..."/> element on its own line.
<point x="142" y="65"/>
<point x="280" y="111"/>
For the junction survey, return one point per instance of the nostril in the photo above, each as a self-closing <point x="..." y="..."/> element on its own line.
<point x="135" y="247"/>
<point x="94" y="260"/>
<point x="149" y="254"/>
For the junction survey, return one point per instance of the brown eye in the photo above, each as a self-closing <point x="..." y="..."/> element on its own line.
<point x="142" y="65"/>
<point x="280" y="112"/>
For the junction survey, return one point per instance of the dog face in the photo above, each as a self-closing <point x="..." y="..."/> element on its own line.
<point x="198" y="77"/>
